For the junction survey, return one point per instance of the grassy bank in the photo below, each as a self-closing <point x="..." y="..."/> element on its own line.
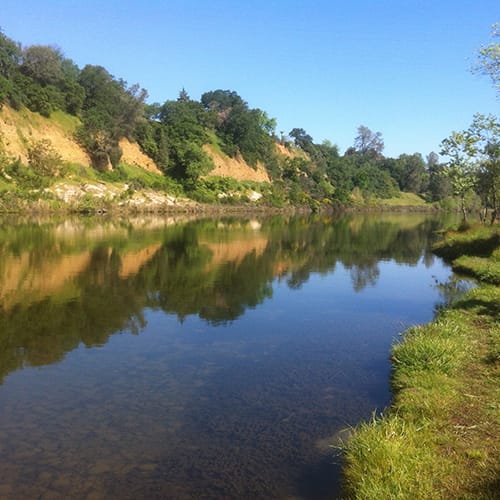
<point x="440" y="438"/>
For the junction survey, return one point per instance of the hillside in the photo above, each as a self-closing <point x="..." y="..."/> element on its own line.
<point x="216" y="149"/>
<point x="21" y="129"/>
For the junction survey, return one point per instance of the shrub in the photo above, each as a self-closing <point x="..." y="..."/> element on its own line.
<point x="43" y="158"/>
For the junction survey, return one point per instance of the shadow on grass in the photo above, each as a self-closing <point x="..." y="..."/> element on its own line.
<point x="480" y="306"/>
<point x="480" y="247"/>
<point x="488" y="489"/>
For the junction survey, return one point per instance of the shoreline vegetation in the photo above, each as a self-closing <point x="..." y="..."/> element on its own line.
<point x="80" y="140"/>
<point x="440" y="437"/>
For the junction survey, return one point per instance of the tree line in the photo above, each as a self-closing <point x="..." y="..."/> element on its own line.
<point x="174" y="134"/>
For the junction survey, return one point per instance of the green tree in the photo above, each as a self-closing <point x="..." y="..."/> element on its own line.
<point x="488" y="59"/>
<point x="485" y="132"/>
<point x="301" y="138"/>
<point x="439" y="183"/>
<point x="183" y="95"/>
<point x="221" y="101"/>
<point x="110" y="111"/>
<point x="241" y="129"/>
<point x="412" y="175"/>
<point x="183" y="124"/>
<point x="10" y="54"/>
<point x="460" y="167"/>
<point x="474" y="162"/>
<point x="369" y="143"/>
<point x="43" y="64"/>
<point x="43" y="158"/>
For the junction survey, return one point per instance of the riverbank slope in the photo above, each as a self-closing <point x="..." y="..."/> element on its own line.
<point x="44" y="169"/>
<point x="440" y="438"/>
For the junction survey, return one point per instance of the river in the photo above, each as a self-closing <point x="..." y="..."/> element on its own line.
<point x="216" y="358"/>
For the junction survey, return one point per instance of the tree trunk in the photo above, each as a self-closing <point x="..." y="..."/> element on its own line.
<point x="494" y="211"/>
<point x="464" y="209"/>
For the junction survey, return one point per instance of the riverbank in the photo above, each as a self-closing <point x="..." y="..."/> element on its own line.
<point x="440" y="438"/>
<point x="119" y="199"/>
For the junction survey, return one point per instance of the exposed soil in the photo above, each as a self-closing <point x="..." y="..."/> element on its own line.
<point x="132" y="155"/>
<point x="18" y="131"/>
<point x="236" y="168"/>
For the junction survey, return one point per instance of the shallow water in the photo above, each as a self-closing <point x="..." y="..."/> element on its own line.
<point x="221" y="358"/>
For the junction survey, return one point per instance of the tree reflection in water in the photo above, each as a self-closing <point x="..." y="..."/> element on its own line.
<point x="75" y="281"/>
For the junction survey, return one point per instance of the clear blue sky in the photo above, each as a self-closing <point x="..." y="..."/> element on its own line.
<point x="398" y="67"/>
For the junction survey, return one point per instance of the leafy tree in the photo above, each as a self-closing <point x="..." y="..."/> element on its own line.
<point x="182" y="122"/>
<point x="111" y="110"/>
<point x="267" y="124"/>
<point x="368" y="142"/>
<point x="488" y="59"/>
<point x="120" y="107"/>
<point x="39" y="98"/>
<point x="241" y="129"/>
<point x="43" y="158"/>
<point x="485" y="134"/>
<point x="152" y="137"/>
<point x="411" y="175"/>
<point x="460" y="168"/>
<point x="432" y="160"/>
<point x="474" y="161"/>
<point x="221" y="100"/>
<point x="183" y="96"/>
<point x="439" y="186"/>
<point x="374" y="181"/>
<point x="10" y="54"/>
<point x="302" y="139"/>
<point x="43" y="64"/>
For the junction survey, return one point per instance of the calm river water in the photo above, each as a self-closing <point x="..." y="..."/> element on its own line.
<point x="188" y="359"/>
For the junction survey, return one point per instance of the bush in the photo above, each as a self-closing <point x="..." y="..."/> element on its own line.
<point x="43" y="158"/>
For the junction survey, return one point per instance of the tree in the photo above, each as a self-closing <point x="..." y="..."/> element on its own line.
<point x="413" y="176"/>
<point x="10" y="53"/>
<point x="241" y="129"/>
<point x="111" y="110"/>
<point x="460" y="168"/>
<point x="485" y="132"/>
<point x="488" y="59"/>
<point x="368" y="142"/>
<point x="181" y="128"/>
<point x="43" y="158"/>
<point x="43" y="64"/>
<point x="183" y="95"/>
<point x="439" y="185"/>
<point x="221" y="100"/>
<point x="301" y="138"/>
<point x="474" y="161"/>
<point x="267" y="124"/>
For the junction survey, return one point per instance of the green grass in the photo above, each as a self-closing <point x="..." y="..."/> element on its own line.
<point x="404" y="200"/>
<point x="66" y="122"/>
<point x="139" y="178"/>
<point x="225" y="190"/>
<point x="481" y="268"/>
<point x="479" y="241"/>
<point x="440" y="437"/>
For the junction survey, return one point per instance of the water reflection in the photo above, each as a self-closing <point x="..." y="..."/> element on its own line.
<point x="259" y="339"/>
<point x="82" y="280"/>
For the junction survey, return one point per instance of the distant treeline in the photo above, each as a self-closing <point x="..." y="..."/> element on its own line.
<point x="173" y="133"/>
